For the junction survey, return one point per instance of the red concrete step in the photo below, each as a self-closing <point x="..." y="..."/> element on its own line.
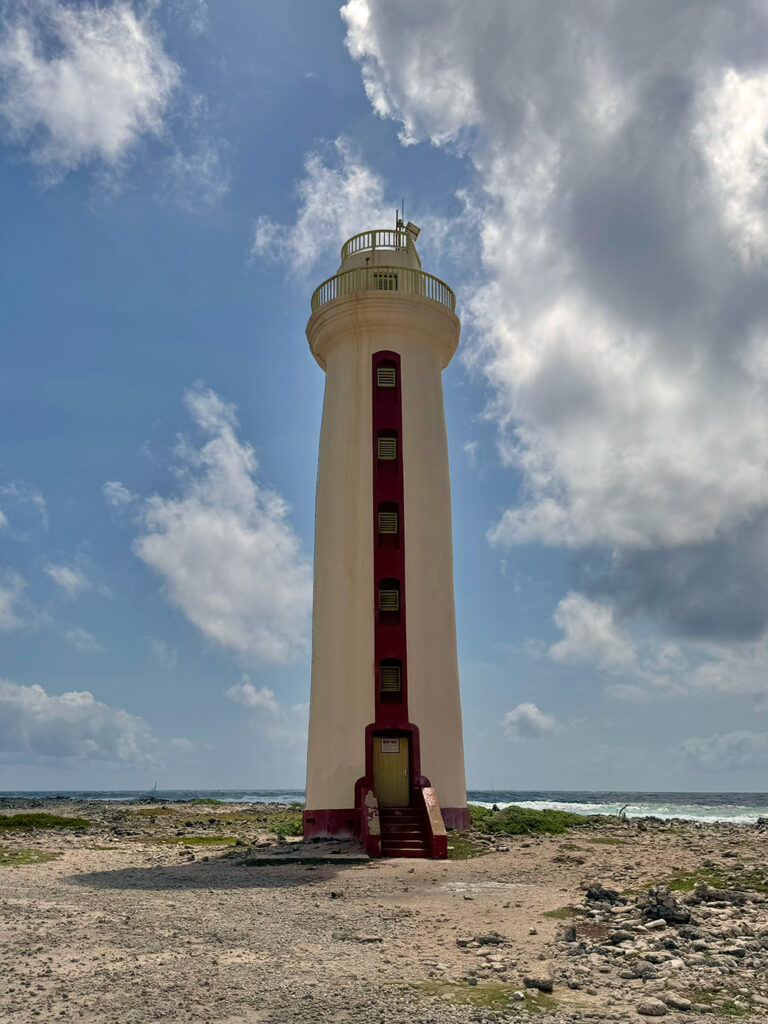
<point x="402" y="832"/>
<point x="397" y="852"/>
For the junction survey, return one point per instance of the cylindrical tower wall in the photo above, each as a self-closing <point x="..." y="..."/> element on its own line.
<point x="343" y="336"/>
<point x="433" y="694"/>
<point x="342" y="699"/>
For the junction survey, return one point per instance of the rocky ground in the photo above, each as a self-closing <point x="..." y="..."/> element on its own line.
<point x="151" y="913"/>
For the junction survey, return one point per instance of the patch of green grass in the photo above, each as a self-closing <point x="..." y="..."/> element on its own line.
<point x="40" y="820"/>
<point x="571" y="846"/>
<point x="491" y="995"/>
<point x="290" y="824"/>
<point x="687" y="881"/>
<point x="460" y="847"/>
<point x="526" y="821"/>
<point x="729" y="1008"/>
<point x="16" y="858"/>
<point x="750" y="880"/>
<point x="190" y="840"/>
<point x="282" y="822"/>
<point x="607" y="841"/>
<point x="561" y="913"/>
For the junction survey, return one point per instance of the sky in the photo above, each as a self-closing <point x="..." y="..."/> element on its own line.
<point x="176" y="177"/>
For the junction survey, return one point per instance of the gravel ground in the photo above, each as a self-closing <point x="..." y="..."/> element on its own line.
<point x="133" y="922"/>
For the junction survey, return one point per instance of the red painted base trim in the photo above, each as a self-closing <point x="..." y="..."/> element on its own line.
<point x="456" y="817"/>
<point x="343" y="823"/>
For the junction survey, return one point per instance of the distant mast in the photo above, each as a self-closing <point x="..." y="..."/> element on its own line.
<point x="385" y="759"/>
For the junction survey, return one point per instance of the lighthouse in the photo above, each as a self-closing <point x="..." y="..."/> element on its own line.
<point x="385" y="758"/>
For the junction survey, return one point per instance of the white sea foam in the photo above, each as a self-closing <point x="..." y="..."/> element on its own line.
<point x="737" y="814"/>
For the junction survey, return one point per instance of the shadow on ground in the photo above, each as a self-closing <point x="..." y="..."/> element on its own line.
<point x="216" y="873"/>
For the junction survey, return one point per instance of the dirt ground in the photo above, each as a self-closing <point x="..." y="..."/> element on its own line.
<point x="132" y="923"/>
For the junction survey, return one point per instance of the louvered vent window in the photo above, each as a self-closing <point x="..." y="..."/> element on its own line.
<point x="389" y="599"/>
<point x="385" y="282"/>
<point x="388" y="522"/>
<point x="389" y="676"/>
<point x="386" y="377"/>
<point x="387" y="448"/>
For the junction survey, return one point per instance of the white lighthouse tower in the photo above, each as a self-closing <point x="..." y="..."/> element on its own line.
<point x="385" y="759"/>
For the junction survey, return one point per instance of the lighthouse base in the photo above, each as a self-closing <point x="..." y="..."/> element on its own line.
<point x="344" y="823"/>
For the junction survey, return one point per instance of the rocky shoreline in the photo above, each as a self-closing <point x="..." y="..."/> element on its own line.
<point x="220" y="913"/>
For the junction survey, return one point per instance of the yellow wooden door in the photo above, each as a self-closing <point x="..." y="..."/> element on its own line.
<point x="391" y="781"/>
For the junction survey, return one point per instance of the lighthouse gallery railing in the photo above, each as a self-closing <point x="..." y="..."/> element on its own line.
<point x="386" y="279"/>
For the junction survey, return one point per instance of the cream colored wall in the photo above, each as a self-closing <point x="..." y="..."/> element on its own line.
<point x="343" y="336"/>
<point x="342" y="701"/>
<point x="433" y="672"/>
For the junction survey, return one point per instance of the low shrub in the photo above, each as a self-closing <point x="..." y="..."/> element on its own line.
<point x="40" y="820"/>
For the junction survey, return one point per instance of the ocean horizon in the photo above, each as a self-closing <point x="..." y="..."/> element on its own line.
<point x="737" y="808"/>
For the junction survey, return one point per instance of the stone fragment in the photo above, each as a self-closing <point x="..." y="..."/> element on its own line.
<point x="651" y="1007"/>
<point x="542" y="979"/>
<point x="677" y="1002"/>
<point x="659" y="902"/>
<point x="599" y="894"/>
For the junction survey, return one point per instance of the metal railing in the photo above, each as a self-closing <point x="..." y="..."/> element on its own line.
<point x="381" y="239"/>
<point x="383" y="279"/>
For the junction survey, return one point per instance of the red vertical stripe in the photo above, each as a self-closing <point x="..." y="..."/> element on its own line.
<point x="389" y="553"/>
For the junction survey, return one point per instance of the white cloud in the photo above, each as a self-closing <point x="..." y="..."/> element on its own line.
<point x="733" y="135"/>
<point x="527" y="722"/>
<point x="18" y="500"/>
<point x="224" y="546"/>
<point x="15" y="611"/>
<point x="71" y="725"/>
<point x="284" y="727"/>
<point x="591" y="635"/>
<point x="72" y="580"/>
<point x="192" y="13"/>
<point x="622" y="437"/>
<point x="116" y="494"/>
<point x="470" y="451"/>
<point x="339" y="196"/>
<point x="735" y="669"/>
<point x="733" y="751"/>
<point x="198" y="178"/>
<point x="167" y="657"/>
<point x="616" y="302"/>
<point x="83" y="640"/>
<point x="83" y="84"/>
<point x="75" y="580"/>
<point x="246" y="694"/>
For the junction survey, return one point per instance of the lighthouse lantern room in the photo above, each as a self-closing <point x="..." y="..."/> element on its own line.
<point x="385" y="759"/>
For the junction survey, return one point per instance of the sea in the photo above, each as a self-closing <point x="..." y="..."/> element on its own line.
<point x="739" y="808"/>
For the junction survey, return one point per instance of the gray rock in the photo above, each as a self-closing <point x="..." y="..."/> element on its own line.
<point x="676" y="1002"/>
<point x="659" y="902"/>
<point x="651" y="1008"/>
<point x="599" y="894"/>
<point x="543" y="979"/>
